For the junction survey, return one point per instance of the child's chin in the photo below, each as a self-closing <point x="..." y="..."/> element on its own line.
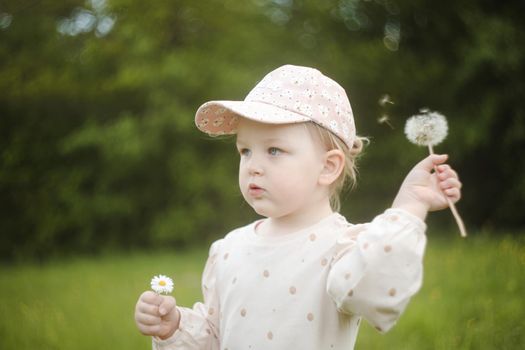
<point x="261" y="210"/>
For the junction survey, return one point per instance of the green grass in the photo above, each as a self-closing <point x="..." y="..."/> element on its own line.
<point x="472" y="298"/>
<point x="87" y="303"/>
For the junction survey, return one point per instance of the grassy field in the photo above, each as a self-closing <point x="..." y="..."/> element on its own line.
<point x="472" y="298"/>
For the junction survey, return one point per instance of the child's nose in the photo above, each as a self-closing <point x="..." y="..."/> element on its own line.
<point x="255" y="166"/>
<point x="255" y="171"/>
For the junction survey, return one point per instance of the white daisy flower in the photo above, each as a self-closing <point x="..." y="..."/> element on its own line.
<point x="426" y="129"/>
<point x="162" y="284"/>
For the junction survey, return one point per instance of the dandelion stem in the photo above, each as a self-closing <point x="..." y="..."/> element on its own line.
<point x="451" y="205"/>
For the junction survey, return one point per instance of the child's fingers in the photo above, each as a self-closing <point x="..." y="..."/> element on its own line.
<point x="431" y="161"/>
<point x="147" y="319"/>
<point x="150" y="297"/>
<point x="148" y="309"/>
<point x="451" y="182"/>
<point x="153" y="330"/>
<point x="167" y="304"/>
<point x="444" y="171"/>
<point x="453" y="193"/>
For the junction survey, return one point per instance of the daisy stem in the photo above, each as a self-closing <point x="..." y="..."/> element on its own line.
<point x="451" y="205"/>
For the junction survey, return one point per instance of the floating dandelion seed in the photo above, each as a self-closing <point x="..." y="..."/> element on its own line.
<point x="384" y="100"/>
<point x="385" y="119"/>
<point x="429" y="129"/>
<point x="162" y="284"/>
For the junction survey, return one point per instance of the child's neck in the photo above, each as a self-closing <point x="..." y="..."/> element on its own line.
<point x="278" y="226"/>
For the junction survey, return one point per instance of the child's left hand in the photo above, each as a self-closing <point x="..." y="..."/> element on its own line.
<point x="424" y="190"/>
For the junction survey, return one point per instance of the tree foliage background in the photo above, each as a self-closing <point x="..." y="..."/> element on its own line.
<point x="98" y="148"/>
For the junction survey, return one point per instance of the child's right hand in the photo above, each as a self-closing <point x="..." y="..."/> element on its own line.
<point x="157" y="315"/>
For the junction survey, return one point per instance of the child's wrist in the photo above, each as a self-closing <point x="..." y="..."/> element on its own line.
<point x="412" y="206"/>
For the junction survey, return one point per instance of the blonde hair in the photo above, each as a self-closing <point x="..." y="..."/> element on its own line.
<point x="348" y="177"/>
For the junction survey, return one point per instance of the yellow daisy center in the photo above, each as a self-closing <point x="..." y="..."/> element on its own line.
<point x="162" y="283"/>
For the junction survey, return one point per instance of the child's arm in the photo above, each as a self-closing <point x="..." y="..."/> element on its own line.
<point x="423" y="191"/>
<point x="174" y="327"/>
<point x="378" y="266"/>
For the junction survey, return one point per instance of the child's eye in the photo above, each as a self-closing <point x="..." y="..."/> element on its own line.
<point x="274" y="151"/>
<point x="244" y="152"/>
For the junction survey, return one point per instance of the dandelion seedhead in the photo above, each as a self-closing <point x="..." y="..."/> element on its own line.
<point x="427" y="128"/>
<point x="162" y="284"/>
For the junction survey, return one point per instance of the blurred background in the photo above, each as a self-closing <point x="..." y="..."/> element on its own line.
<point x="101" y="166"/>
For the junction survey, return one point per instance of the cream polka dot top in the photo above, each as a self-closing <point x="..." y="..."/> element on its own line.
<point x="305" y="290"/>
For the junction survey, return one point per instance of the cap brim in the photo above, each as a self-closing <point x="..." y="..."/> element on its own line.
<point x="222" y="117"/>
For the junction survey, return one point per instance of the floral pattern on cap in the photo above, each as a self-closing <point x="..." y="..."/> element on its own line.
<point x="288" y="94"/>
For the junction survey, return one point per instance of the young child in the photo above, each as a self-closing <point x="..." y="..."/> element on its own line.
<point x="302" y="277"/>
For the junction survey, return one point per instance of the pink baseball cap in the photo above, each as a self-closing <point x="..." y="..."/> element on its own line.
<point x="288" y="94"/>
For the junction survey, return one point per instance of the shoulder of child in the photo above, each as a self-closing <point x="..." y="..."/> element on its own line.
<point x="235" y="233"/>
<point x="229" y="237"/>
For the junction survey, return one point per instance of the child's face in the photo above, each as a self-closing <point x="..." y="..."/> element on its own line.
<point x="279" y="168"/>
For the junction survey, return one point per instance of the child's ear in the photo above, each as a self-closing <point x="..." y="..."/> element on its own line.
<point x="334" y="163"/>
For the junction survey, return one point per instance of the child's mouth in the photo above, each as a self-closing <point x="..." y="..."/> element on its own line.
<point x="255" y="191"/>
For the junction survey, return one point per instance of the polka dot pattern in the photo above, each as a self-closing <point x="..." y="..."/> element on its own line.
<point x="289" y="285"/>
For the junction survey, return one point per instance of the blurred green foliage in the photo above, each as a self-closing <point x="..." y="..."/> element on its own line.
<point x="98" y="147"/>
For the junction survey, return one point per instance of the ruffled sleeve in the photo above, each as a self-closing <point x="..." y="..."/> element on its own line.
<point x="378" y="267"/>
<point x="199" y="326"/>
